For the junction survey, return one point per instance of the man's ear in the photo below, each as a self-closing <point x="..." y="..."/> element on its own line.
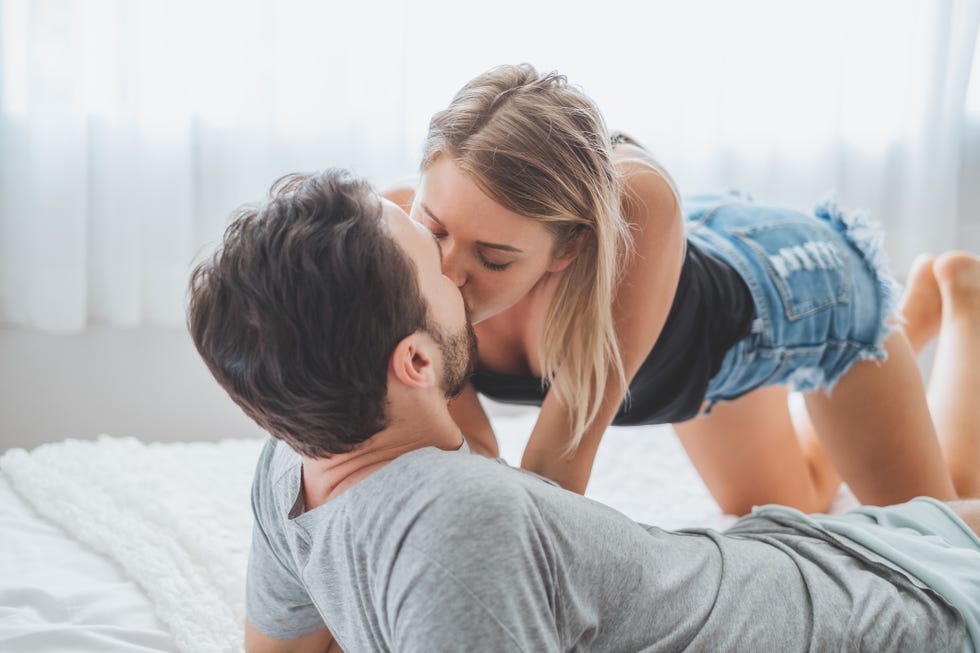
<point x="568" y="253"/>
<point x="412" y="363"/>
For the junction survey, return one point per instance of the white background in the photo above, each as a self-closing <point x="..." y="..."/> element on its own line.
<point x="129" y="130"/>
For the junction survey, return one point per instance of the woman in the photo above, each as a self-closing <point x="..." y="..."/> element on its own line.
<point x="583" y="279"/>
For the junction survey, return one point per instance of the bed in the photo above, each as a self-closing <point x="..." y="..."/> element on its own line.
<point x="120" y="545"/>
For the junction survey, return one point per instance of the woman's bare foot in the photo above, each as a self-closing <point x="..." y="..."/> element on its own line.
<point x="958" y="278"/>
<point x="922" y="303"/>
<point x="955" y="383"/>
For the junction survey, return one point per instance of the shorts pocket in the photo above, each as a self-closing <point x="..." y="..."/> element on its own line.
<point x="806" y="261"/>
<point x="757" y="370"/>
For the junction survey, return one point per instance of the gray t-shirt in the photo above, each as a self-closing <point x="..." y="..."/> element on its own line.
<point x="449" y="551"/>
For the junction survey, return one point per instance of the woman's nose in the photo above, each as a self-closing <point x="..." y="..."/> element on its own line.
<point x="451" y="265"/>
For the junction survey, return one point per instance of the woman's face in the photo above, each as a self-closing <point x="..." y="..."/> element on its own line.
<point x="493" y="255"/>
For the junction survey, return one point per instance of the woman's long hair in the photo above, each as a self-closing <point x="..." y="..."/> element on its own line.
<point x="540" y="148"/>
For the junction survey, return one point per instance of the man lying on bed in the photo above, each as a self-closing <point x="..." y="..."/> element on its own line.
<point x="327" y="319"/>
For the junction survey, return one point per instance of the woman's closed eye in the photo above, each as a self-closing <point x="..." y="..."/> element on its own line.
<point x="490" y="265"/>
<point x="493" y="266"/>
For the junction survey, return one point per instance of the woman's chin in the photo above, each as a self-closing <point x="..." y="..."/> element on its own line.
<point x="477" y="316"/>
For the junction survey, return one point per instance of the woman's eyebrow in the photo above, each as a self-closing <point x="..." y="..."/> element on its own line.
<point x="481" y="243"/>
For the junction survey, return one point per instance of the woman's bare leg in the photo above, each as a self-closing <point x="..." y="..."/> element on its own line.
<point x="942" y="297"/>
<point x="922" y="303"/>
<point x="754" y="450"/>
<point x="954" y="391"/>
<point x="878" y="432"/>
<point x="921" y="306"/>
<point x="749" y="453"/>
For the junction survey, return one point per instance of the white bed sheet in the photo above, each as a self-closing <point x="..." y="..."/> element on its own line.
<point x="79" y="586"/>
<point x="58" y="595"/>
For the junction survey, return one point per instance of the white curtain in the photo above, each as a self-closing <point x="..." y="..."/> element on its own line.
<point x="130" y="129"/>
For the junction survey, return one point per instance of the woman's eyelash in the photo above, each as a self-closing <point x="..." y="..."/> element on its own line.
<point x="496" y="267"/>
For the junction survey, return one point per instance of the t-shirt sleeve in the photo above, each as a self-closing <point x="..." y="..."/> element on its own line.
<point x="437" y="612"/>
<point x="276" y="600"/>
<point x="449" y="593"/>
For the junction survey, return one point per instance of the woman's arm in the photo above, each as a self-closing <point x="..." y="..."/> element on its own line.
<point x="472" y="420"/>
<point x="401" y="193"/>
<point x="643" y="300"/>
<point x="319" y="641"/>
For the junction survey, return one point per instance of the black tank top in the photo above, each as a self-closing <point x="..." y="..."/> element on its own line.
<point x="712" y="310"/>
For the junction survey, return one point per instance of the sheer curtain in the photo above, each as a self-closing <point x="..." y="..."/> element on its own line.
<point x="130" y="129"/>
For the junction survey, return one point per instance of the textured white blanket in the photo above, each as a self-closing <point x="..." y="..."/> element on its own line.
<point x="177" y="517"/>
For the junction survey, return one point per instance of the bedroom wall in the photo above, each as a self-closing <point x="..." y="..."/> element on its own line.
<point x="147" y="382"/>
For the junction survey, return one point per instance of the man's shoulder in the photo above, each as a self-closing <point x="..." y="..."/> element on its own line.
<point x="458" y="474"/>
<point x="460" y="491"/>
<point x="275" y="460"/>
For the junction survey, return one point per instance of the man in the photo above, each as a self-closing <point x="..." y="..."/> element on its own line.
<point x="327" y="319"/>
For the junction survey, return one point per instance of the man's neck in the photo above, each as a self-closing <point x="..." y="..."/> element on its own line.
<point x="326" y="478"/>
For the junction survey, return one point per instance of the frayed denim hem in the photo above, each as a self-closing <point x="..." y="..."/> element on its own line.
<point x="811" y="379"/>
<point x="802" y="348"/>
<point x="868" y="237"/>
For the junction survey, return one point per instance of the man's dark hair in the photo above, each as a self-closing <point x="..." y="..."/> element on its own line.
<point x="298" y="311"/>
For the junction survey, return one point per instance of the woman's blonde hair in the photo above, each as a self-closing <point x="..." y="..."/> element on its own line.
<point x="539" y="147"/>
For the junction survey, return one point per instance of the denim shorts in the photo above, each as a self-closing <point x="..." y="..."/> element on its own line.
<point x="824" y="299"/>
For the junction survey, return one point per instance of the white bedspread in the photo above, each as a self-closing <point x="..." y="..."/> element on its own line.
<point x="175" y="518"/>
<point x="56" y="594"/>
<point x="167" y="527"/>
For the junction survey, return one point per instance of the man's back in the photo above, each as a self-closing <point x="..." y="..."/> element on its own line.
<point x="443" y="550"/>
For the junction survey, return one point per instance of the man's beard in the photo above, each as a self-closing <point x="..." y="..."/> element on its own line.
<point x="458" y="357"/>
